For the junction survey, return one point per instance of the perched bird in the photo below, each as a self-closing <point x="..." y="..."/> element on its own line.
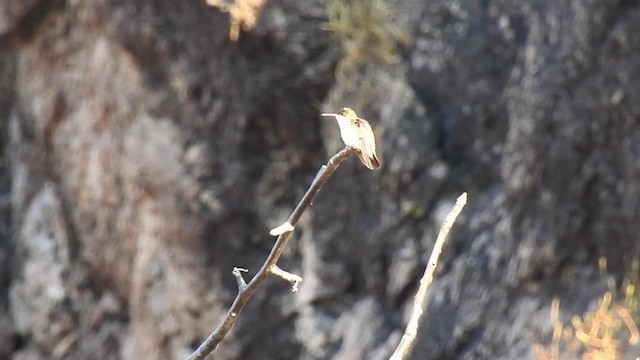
<point x="357" y="133"/>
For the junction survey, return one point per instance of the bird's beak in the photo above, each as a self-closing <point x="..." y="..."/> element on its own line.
<point x="329" y="114"/>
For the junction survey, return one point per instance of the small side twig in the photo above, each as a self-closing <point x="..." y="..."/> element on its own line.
<point x="293" y="279"/>
<point x="406" y="343"/>
<point x="269" y="267"/>
<point x="237" y="273"/>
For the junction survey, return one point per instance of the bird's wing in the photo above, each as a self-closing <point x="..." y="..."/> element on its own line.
<point x="368" y="146"/>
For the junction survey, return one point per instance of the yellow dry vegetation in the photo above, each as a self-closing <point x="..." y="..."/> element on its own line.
<point x="604" y="333"/>
<point x="244" y="14"/>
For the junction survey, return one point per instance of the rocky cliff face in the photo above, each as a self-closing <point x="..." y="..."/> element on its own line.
<point x="145" y="154"/>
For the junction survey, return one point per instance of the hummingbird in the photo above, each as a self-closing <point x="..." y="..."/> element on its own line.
<point x="357" y="133"/>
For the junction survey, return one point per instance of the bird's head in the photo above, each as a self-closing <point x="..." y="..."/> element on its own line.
<point x="348" y="113"/>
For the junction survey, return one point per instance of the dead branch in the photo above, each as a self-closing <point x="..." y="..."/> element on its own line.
<point x="245" y="291"/>
<point x="406" y="343"/>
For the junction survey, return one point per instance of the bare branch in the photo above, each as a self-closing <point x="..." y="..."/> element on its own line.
<point x="406" y="343"/>
<point x="245" y="292"/>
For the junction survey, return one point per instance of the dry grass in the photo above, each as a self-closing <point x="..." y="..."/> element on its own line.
<point x="604" y="333"/>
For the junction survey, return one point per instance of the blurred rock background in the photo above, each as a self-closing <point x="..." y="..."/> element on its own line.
<point x="145" y="153"/>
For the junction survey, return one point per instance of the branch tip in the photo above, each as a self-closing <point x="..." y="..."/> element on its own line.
<point x="237" y="273"/>
<point x="411" y="332"/>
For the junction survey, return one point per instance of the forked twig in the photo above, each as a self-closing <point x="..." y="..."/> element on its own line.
<point x="245" y="291"/>
<point x="406" y="343"/>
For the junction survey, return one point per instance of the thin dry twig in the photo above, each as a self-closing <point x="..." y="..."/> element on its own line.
<point x="269" y="267"/>
<point x="406" y="343"/>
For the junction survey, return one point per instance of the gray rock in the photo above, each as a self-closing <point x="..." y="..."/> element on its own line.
<point x="145" y="155"/>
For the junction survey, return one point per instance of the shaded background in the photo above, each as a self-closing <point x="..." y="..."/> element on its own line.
<point x="145" y="153"/>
